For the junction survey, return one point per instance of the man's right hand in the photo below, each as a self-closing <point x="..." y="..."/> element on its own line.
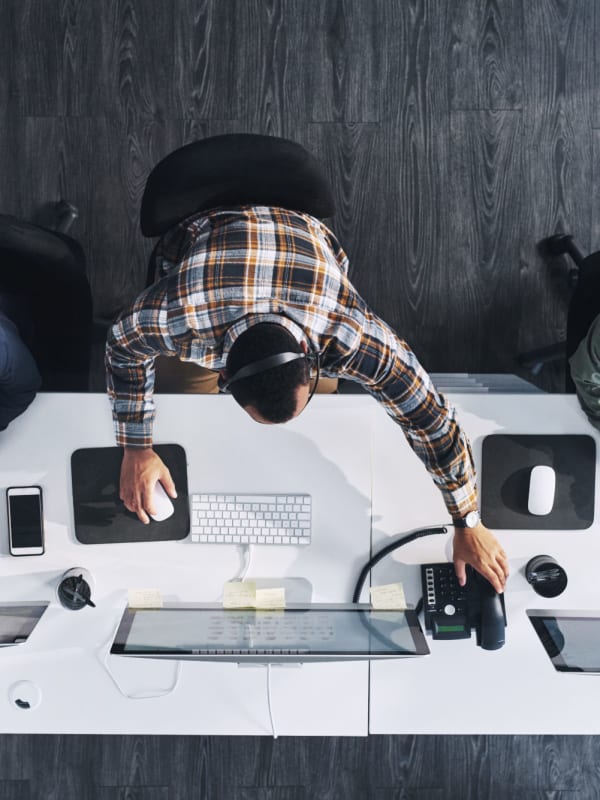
<point x="140" y="470"/>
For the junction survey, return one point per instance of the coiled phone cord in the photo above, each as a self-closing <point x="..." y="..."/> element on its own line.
<point x="389" y="548"/>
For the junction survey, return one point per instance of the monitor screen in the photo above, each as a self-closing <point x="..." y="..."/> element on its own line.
<point x="571" y="638"/>
<point x="17" y="620"/>
<point x="296" y="633"/>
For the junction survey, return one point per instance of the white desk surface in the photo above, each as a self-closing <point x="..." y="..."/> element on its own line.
<point x="460" y="688"/>
<point x="325" y="452"/>
<point x="329" y="452"/>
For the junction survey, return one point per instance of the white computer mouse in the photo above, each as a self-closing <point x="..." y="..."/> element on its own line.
<point x="162" y="503"/>
<point x="542" y="485"/>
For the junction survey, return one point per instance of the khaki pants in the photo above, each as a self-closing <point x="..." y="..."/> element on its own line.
<point x="173" y="376"/>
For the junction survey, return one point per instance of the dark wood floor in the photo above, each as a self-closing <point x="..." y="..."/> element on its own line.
<point x="456" y="136"/>
<point x="227" y="768"/>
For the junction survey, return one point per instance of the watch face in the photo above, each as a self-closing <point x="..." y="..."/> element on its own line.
<point x="472" y="519"/>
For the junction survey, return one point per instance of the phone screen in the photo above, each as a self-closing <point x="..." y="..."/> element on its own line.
<point x="25" y="520"/>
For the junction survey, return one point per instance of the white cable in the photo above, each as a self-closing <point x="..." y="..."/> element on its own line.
<point x="243" y="570"/>
<point x="145" y="695"/>
<point x="248" y="560"/>
<point x="274" y="732"/>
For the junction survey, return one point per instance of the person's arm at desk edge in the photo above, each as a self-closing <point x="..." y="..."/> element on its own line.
<point x="132" y="345"/>
<point x="391" y="373"/>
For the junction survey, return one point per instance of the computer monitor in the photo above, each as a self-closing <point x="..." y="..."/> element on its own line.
<point x="298" y="633"/>
<point x="17" y="620"/>
<point x="571" y="639"/>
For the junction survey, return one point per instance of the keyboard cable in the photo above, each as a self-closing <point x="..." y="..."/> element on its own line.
<point x="247" y="556"/>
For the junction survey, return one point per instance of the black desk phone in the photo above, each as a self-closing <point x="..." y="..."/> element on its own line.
<point x="451" y="610"/>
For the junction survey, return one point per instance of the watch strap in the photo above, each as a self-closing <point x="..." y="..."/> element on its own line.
<point x="464" y="522"/>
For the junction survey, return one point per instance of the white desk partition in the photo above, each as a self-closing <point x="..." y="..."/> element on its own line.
<point x="461" y="688"/>
<point x="325" y="452"/>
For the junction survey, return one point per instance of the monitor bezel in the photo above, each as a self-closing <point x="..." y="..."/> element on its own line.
<point x="536" y="617"/>
<point x="120" y="638"/>
<point x="38" y="608"/>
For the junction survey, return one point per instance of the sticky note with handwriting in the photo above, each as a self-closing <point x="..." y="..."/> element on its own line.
<point x="270" y="598"/>
<point x="239" y="594"/>
<point x="144" y="598"/>
<point x="389" y="597"/>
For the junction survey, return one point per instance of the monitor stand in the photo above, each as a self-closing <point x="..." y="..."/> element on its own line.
<point x="297" y="590"/>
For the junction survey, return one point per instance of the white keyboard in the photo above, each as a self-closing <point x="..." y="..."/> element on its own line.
<point x="251" y="518"/>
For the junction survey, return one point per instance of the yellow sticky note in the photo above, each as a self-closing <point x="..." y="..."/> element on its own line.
<point x="144" y="598"/>
<point x="239" y="594"/>
<point x="270" y="598"/>
<point x="389" y="597"/>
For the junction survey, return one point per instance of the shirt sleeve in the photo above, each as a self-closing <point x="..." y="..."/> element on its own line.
<point x="585" y="372"/>
<point x="19" y="375"/>
<point x="386" y="367"/>
<point x="133" y="342"/>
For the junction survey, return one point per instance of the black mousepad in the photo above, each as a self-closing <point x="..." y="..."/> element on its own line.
<point x="101" y="517"/>
<point x="507" y="461"/>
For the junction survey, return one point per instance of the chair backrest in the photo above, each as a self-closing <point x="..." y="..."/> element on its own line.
<point x="229" y="170"/>
<point x="45" y="290"/>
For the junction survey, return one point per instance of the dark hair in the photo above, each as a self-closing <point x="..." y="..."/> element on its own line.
<point x="272" y="392"/>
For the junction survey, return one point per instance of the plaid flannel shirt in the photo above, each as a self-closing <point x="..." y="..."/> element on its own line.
<point x="224" y="270"/>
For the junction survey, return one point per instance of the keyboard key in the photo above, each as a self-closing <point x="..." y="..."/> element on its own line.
<point x="250" y="519"/>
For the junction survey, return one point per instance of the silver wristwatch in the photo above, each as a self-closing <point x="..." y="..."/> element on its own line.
<point x="471" y="520"/>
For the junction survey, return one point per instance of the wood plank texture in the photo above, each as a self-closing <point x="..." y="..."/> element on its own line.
<point x="248" y="768"/>
<point x="486" y="54"/>
<point x="557" y="155"/>
<point x="340" y="41"/>
<point x="485" y="230"/>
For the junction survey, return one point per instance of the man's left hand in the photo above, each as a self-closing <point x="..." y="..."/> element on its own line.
<point x="480" y="548"/>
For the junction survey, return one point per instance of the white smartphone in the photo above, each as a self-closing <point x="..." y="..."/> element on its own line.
<point x="25" y="520"/>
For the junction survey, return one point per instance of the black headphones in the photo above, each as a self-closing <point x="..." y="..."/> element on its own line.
<point x="277" y="360"/>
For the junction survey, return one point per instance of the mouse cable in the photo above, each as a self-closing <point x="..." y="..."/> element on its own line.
<point x="385" y="551"/>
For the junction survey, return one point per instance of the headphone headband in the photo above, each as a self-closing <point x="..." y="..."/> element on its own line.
<point x="262" y="365"/>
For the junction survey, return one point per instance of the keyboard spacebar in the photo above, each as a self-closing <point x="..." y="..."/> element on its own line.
<point x="254" y="498"/>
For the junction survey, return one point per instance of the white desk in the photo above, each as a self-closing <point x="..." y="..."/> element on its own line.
<point x="325" y="452"/>
<point x="461" y="688"/>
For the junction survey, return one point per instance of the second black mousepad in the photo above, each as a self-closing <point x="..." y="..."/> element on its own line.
<point x="507" y="461"/>
<point x="101" y="517"/>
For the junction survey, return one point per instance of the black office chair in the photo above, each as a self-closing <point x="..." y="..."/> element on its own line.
<point x="227" y="171"/>
<point x="584" y="307"/>
<point x="231" y="170"/>
<point x="45" y="291"/>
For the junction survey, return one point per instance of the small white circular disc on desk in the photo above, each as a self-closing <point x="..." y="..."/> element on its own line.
<point x="25" y="695"/>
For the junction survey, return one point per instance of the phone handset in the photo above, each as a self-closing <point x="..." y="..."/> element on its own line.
<point x="487" y="612"/>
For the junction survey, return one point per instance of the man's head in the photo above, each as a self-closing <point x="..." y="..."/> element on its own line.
<point x="277" y="394"/>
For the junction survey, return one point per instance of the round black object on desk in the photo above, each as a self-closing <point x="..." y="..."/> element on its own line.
<point x="74" y="592"/>
<point x="546" y="576"/>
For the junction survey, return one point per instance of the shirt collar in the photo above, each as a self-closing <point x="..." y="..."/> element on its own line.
<point x="247" y="322"/>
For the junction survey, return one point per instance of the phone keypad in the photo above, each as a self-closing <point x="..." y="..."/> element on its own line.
<point x="442" y="593"/>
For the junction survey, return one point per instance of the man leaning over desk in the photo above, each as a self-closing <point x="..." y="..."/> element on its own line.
<point x="234" y="286"/>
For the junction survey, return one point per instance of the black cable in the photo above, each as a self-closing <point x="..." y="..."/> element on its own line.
<point x="388" y="549"/>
